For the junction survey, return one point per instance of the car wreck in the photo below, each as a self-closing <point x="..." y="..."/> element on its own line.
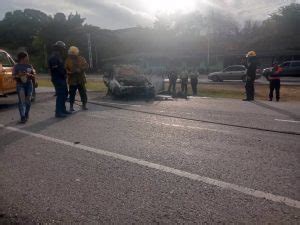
<point x="128" y="81"/>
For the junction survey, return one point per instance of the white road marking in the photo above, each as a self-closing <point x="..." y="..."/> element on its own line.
<point x="166" y="169"/>
<point x="288" y="121"/>
<point x="113" y="103"/>
<point x="195" y="97"/>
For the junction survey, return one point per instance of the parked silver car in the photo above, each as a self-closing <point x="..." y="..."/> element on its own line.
<point x="235" y="72"/>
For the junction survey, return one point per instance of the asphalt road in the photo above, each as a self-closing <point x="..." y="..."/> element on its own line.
<point x="198" y="161"/>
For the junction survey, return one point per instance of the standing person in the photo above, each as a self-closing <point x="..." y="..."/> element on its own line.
<point x="23" y="73"/>
<point x="184" y="82"/>
<point x="75" y="66"/>
<point x="194" y="82"/>
<point x="58" y="78"/>
<point x="172" y="82"/>
<point x="274" y="79"/>
<point x="251" y="66"/>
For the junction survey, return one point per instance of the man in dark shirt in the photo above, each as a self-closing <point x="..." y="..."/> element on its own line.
<point x="172" y="82"/>
<point x="58" y="78"/>
<point x="251" y="66"/>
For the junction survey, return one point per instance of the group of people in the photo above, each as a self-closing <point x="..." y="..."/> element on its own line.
<point x="273" y="77"/>
<point x="67" y="76"/>
<point x="70" y="71"/>
<point x="184" y="77"/>
<point x="251" y="66"/>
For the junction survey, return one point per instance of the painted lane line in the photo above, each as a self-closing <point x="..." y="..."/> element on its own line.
<point x="113" y="103"/>
<point x="288" y="121"/>
<point x="166" y="169"/>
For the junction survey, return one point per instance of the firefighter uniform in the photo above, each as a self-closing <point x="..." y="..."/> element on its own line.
<point x="251" y="66"/>
<point x="184" y="82"/>
<point x="75" y="66"/>
<point x="172" y="83"/>
<point x="194" y="82"/>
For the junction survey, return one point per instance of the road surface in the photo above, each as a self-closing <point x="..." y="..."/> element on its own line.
<point x="198" y="161"/>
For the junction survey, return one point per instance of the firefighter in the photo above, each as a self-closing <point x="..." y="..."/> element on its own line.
<point x="58" y="78"/>
<point x="75" y="66"/>
<point x="194" y="82"/>
<point x="251" y="65"/>
<point x="172" y="82"/>
<point x="274" y="78"/>
<point x="184" y="82"/>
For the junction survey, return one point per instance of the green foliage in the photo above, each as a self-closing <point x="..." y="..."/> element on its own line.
<point x="173" y="35"/>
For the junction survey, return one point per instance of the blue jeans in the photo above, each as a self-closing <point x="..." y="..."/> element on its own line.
<point x="24" y="94"/>
<point x="61" y="90"/>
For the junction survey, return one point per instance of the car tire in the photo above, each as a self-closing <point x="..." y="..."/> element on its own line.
<point x="218" y="79"/>
<point x="116" y="92"/>
<point x="214" y="79"/>
<point x="151" y="94"/>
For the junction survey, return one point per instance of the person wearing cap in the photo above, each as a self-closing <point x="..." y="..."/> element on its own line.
<point x="251" y="65"/>
<point x="75" y="66"/>
<point x="58" y="78"/>
<point x="23" y="73"/>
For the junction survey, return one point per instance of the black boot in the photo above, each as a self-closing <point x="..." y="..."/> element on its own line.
<point x="72" y="108"/>
<point x="84" y="106"/>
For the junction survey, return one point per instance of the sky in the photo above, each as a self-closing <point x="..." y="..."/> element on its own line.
<point x="118" y="14"/>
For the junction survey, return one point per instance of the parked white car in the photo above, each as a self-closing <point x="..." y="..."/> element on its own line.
<point x="235" y="72"/>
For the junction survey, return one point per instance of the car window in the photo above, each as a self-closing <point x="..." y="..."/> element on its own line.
<point x="11" y="60"/>
<point x="228" y="69"/>
<point x="234" y="68"/>
<point x="296" y="64"/>
<point x="286" y="64"/>
<point x="239" y="68"/>
<point x="4" y="60"/>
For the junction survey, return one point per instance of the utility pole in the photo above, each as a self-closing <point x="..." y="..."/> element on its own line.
<point x="208" y="50"/>
<point x="90" y="50"/>
<point x="96" y="55"/>
<point x="209" y="34"/>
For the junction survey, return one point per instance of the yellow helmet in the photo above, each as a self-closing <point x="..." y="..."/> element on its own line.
<point x="73" y="50"/>
<point x="251" y="54"/>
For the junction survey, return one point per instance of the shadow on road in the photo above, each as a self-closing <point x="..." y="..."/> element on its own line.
<point x="13" y="137"/>
<point x="281" y="111"/>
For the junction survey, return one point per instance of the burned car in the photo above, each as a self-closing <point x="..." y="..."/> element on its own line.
<point x="128" y="81"/>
